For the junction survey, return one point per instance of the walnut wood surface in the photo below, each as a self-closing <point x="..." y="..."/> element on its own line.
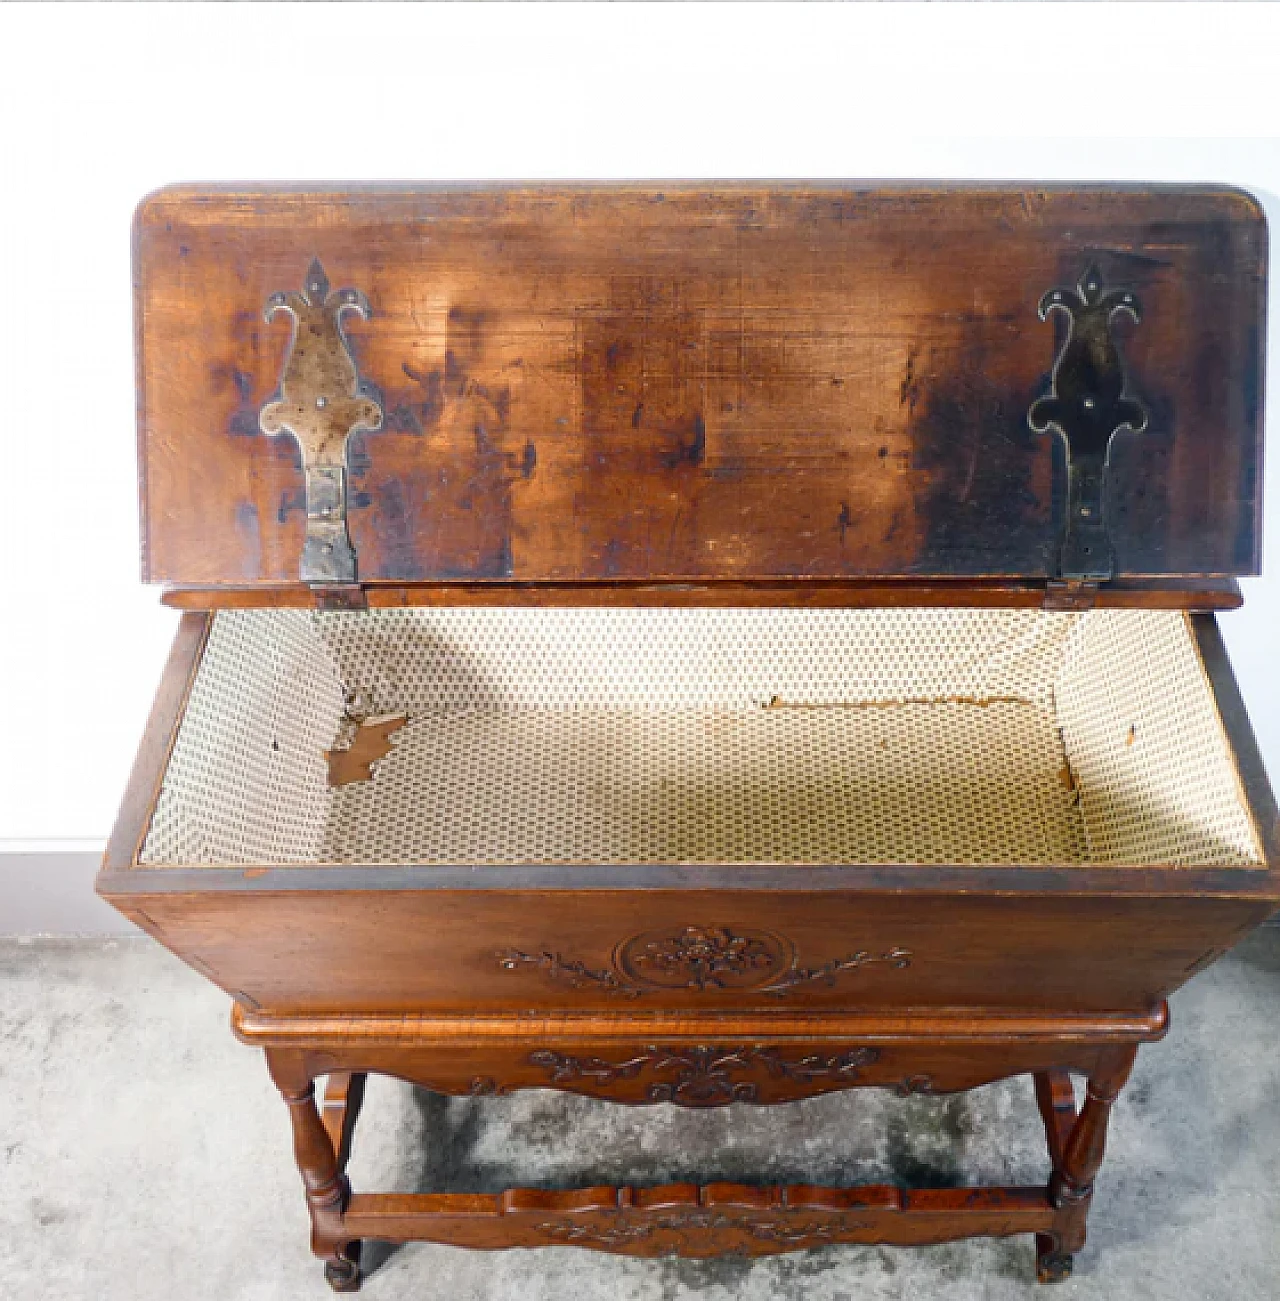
<point x="1169" y="594"/>
<point x="1086" y="1144"/>
<point x="705" y="1075"/>
<point x="446" y="951"/>
<point x="690" y="1219"/>
<point x="676" y="382"/>
<point x="698" y="1062"/>
<point x="953" y="1027"/>
<point x="343" y="1098"/>
<point x="700" y="1221"/>
<point x="1057" y="1102"/>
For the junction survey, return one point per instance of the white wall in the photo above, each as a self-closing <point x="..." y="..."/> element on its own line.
<point x="99" y="104"/>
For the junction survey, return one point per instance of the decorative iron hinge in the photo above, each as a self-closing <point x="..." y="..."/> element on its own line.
<point x="321" y="401"/>
<point x="1087" y="406"/>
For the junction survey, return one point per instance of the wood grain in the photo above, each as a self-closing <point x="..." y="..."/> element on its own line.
<point x="443" y="950"/>
<point x="744" y="1060"/>
<point x="691" y="1219"/>
<point x="1169" y="594"/>
<point x="690" y="383"/>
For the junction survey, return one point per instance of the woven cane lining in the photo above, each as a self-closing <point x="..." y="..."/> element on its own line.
<point x="1147" y="748"/>
<point x="614" y="736"/>
<point x="247" y="778"/>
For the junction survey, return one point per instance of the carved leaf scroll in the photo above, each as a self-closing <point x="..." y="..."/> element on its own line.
<point x="703" y="1075"/>
<point x="784" y="1228"/>
<point x="575" y="974"/>
<point x="699" y="958"/>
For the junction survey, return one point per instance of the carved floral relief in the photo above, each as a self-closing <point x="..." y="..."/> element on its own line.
<point x="704" y="1075"/>
<point x="700" y="958"/>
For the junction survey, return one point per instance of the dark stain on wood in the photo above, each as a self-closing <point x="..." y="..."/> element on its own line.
<point x="993" y="486"/>
<point x="430" y="404"/>
<point x="843" y="520"/>
<point x="295" y="499"/>
<point x="707" y="381"/>
<point x="249" y="530"/>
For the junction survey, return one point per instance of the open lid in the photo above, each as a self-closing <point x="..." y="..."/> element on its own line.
<point x="698" y="383"/>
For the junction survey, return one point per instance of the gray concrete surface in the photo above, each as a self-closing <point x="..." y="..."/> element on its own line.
<point x="143" y="1155"/>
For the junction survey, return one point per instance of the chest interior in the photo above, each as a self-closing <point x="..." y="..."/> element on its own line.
<point x="703" y="736"/>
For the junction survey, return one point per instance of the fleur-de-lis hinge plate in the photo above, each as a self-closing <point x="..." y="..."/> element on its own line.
<point x="321" y="401"/>
<point x="1087" y="406"/>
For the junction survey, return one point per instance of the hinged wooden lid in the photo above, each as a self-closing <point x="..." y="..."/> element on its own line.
<point x="679" y="383"/>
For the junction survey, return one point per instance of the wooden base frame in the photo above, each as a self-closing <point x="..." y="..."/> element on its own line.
<point x="761" y="1060"/>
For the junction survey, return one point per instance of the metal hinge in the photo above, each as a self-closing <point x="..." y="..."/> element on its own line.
<point x="1087" y="406"/>
<point x="1070" y="594"/>
<point x="339" y="596"/>
<point x="321" y="402"/>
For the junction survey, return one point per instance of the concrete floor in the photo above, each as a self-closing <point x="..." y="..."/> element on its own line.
<point x="144" y="1155"/>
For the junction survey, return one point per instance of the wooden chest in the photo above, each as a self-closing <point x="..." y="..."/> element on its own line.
<point x="698" y="645"/>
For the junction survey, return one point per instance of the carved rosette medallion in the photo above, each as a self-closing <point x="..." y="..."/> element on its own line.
<point x="703" y="957"/>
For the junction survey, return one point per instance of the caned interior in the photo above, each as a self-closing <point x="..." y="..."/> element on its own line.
<point x="706" y="736"/>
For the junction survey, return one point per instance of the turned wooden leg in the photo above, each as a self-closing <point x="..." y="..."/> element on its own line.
<point x="326" y="1186"/>
<point x="1057" y="1101"/>
<point x="343" y="1098"/>
<point x="1087" y="1143"/>
<point x="1053" y="1265"/>
<point x="1077" y="1149"/>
